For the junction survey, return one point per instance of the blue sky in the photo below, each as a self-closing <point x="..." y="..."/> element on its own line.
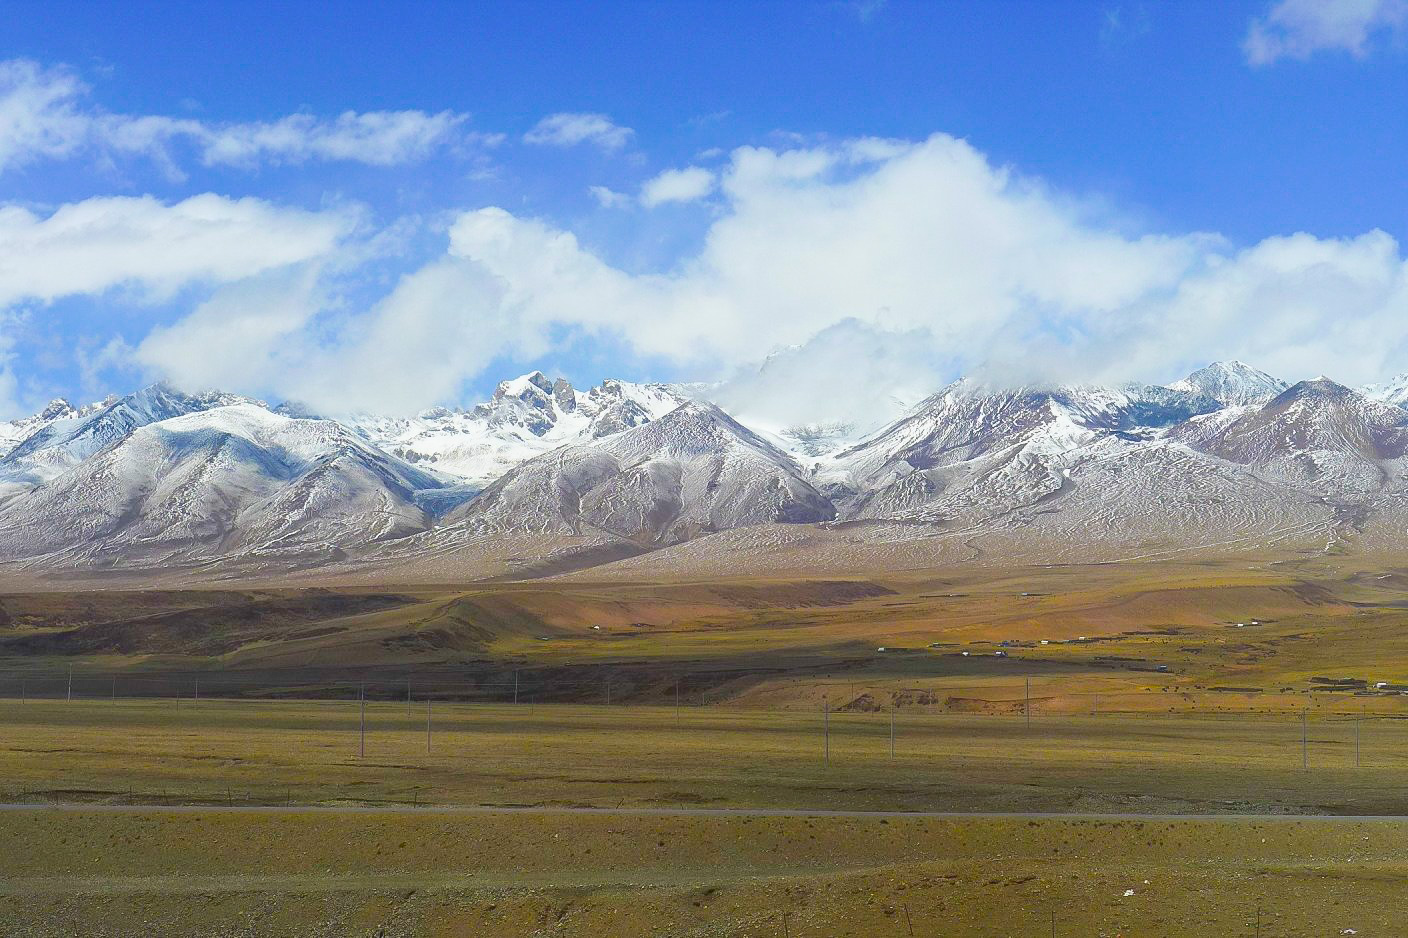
<point x="374" y="205"/>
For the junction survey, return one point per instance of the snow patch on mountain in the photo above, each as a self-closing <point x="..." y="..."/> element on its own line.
<point x="1231" y="383"/>
<point x="71" y="436"/>
<point x="1393" y="392"/>
<point x="526" y="416"/>
<point x="692" y="471"/>
<point x="228" y="480"/>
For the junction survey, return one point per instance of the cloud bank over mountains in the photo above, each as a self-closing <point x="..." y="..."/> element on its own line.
<point x="811" y="270"/>
<point x="925" y="244"/>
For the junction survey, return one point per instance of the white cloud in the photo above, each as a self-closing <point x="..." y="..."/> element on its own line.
<point x="880" y="261"/>
<point x="677" y="185"/>
<point x="241" y="336"/>
<point x="99" y="244"/>
<point x="9" y="383"/>
<point x="974" y="266"/>
<point x="567" y="129"/>
<point x="1299" y="28"/>
<point x="38" y="119"/>
<point x="44" y="115"/>
<point x="608" y="198"/>
<point x="415" y="347"/>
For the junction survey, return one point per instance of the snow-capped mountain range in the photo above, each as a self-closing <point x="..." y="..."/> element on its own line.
<point x="167" y="480"/>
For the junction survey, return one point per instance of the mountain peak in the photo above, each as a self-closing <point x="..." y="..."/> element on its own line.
<point x="524" y="386"/>
<point x="57" y="408"/>
<point x="1231" y="383"/>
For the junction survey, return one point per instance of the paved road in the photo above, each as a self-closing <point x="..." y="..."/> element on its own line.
<point x="682" y="812"/>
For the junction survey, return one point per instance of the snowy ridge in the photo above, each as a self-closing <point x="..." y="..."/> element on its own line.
<point x="163" y="479"/>
<point x="1393" y="392"/>
<point x="1231" y="383"/>
<point x="693" y="471"/>
<point x="231" y="479"/>
<point x="527" y="416"/>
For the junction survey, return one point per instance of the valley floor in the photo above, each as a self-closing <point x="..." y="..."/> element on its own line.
<point x="221" y="774"/>
<point x="212" y="873"/>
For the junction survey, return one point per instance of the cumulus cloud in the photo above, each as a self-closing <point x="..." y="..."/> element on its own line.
<point x="438" y="326"/>
<point x="879" y="267"/>
<point x="45" y="114"/>
<point x="144" y="244"/>
<point x="677" y="185"/>
<point x="920" y="236"/>
<point x="1297" y="29"/>
<point x="569" y="129"/>
<point x="969" y="265"/>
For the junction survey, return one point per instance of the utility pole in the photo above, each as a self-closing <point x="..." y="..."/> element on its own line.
<point x="608" y="693"/>
<point x="1304" y="740"/>
<point x="1356" y="744"/>
<point x="114" y="688"/>
<point x="826" y="727"/>
<point x="1027" y="707"/>
<point x="515" y="685"/>
<point x="408" y="695"/>
<point x="677" y="701"/>
<point x="427" y="724"/>
<point x="892" y="732"/>
<point x="69" y="694"/>
<point x="195" y="697"/>
<point x="362" y="745"/>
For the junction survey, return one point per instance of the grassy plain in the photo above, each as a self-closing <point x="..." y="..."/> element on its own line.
<point x="1225" y="688"/>
<point x="310" y="752"/>
<point x="441" y="875"/>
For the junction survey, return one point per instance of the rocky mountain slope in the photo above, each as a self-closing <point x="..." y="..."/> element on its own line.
<point x="220" y="481"/>
<point x="695" y="470"/>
